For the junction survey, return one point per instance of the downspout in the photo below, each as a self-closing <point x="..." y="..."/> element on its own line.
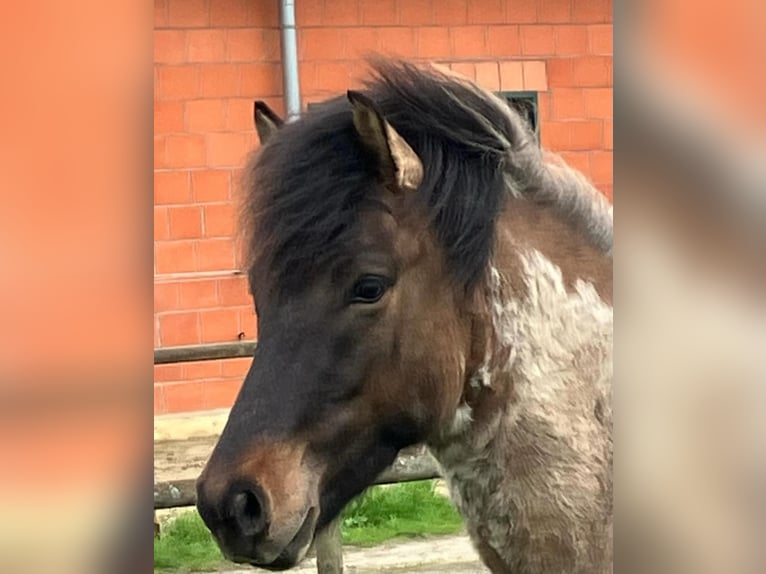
<point x="290" y="81"/>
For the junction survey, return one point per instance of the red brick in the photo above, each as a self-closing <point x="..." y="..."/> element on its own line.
<point x="308" y="13"/>
<point x="601" y="166"/>
<point x="185" y="222"/>
<point x="179" y="328"/>
<point x="416" y="12"/>
<point x="608" y="134"/>
<point x="248" y="324"/>
<point x="433" y="42"/>
<point x="320" y="43"/>
<point x="166" y="373"/>
<point x="219" y="80"/>
<point x="535" y="77"/>
<point x="165" y="297"/>
<point x="215" y="255"/>
<point x="220" y="220"/>
<point x="260" y="79"/>
<point x="252" y="45"/>
<point x="378" y="12"/>
<point x="521" y="12"/>
<point x="188" y="13"/>
<point x="511" y="76"/>
<point x="185" y="150"/>
<point x="206" y="45"/>
<point x="598" y="102"/>
<point x="198" y="294"/>
<point x="567" y="103"/>
<point x="592" y="71"/>
<point x="234" y="13"/>
<point x="204" y="116"/>
<point x="467" y="69"/>
<point x="600" y="39"/>
<point x="184" y="397"/>
<point x="586" y="135"/>
<point x="210" y="185"/>
<point x="561" y="72"/>
<point x="266" y="14"/>
<point x="160" y="155"/>
<point x="307" y="72"/>
<point x="238" y="114"/>
<point x="168" y="117"/>
<point x="160" y="13"/>
<point x="333" y="76"/>
<point x="219" y="325"/>
<point x="170" y="46"/>
<point x="397" y="41"/>
<point x="488" y="75"/>
<point x="554" y="11"/>
<point x="469" y="41"/>
<point x="555" y="135"/>
<point x="220" y="394"/>
<point x="159" y="399"/>
<point x="234" y="291"/>
<point x="359" y="42"/>
<point x="487" y="12"/>
<point x="544" y="106"/>
<point x="175" y="256"/>
<point x="607" y="190"/>
<point x="226" y="149"/>
<point x="200" y="370"/>
<point x="537" y="40"/>
<point x="236" y="367"/>
<point x="592" y="11"/>
<point x="344" y="13"/>
<point x="578" y="160"/>
<point x="503" y="41"/>
<point x="161" y="224"/>
<point x="177" y="82"/>
<point x="571" y="40"/>
<point x="171" y="187"/>
<point x="450" y="12"/>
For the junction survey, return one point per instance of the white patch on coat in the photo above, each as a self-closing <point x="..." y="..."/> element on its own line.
<point x="542" y="467"/>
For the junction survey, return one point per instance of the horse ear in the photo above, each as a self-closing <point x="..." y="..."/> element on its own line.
<point x="397" y="161"/>
<point x="267" y="122"/>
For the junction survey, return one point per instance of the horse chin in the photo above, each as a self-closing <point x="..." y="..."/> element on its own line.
<point x="352" y="480"/>
<point x="296" y="549"/>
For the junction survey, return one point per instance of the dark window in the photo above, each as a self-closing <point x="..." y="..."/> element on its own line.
<point x="526" y="104"/>
<point x="523" y="102"/>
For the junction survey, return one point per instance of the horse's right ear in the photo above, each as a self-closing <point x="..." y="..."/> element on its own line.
<point x="397" y="161"/>
<point x="267" y="122"/>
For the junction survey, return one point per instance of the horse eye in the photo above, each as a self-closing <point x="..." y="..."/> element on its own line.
<point x="369" y="289"/>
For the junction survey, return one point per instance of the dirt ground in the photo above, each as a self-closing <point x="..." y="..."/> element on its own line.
<point x="443" y="555"/>
<point x="182" y="459"/>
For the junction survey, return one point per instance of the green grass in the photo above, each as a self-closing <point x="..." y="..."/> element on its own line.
<point x="380" y="514"/>
<point x="185" y="544"/>
<point x="400" y="510"/>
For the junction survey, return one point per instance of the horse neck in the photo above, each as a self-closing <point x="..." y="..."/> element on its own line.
<point x="547" y="323"/>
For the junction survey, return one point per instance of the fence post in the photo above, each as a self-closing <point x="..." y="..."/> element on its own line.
<point x="329" y="548"/>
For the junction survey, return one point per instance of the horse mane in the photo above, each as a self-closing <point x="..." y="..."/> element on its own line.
<point x="303" y="188"/>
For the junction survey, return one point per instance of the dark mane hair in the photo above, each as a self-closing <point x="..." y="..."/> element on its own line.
<point x="303" y="187"/>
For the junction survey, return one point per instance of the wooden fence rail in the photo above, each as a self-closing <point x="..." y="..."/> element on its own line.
<point x="412" y="464"/>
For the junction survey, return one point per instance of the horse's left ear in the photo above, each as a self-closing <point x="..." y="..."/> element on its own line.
<point x="266" y="120"/>
<point x="397" y="161"/>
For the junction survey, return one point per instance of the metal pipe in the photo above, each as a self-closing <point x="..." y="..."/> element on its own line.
<point x="290" y="81"/>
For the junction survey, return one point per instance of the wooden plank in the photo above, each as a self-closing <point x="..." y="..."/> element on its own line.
<point x="329" y="549"/>
<point x="207" y="352"/>
<point x="406" y="468"/>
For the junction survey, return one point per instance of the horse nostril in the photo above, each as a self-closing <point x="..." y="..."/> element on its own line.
<point x="247" y="509"/>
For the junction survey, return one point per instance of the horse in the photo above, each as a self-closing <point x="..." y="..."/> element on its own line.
<point x="422" y="272"/>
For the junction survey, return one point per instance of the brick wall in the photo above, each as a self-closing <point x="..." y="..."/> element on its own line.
<point x="214" y="57"/>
